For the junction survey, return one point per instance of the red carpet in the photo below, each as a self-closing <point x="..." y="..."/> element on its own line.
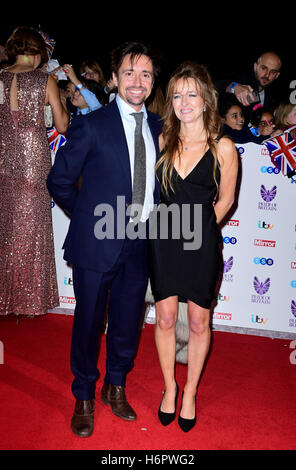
<point x="246" y="398"/>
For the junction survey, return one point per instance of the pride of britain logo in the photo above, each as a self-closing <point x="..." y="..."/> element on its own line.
<point x="268" y="196"/>
<point x="292" y="321"/>
<point x="227" y="276"/>
<point x="293" y="308"/>
<point x="261" y="289"/>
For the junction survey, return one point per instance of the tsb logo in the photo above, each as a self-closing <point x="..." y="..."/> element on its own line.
<point x="231" y="240"/>
<point x="270" y="170"/>
<point x="263" y="261"/>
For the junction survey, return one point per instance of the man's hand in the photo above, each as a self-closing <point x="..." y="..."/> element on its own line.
<point x="242" y="92"/>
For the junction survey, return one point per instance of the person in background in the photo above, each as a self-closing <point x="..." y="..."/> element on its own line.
<point x="262" y="122"/>
<point x="28" y="284"/>
<point x="69" y="89"/>
<point x="233" y="120"/>
<point x="155" y="102"/>
<point x="285" y="117"/>
<point x="266" y="70"/>
<point x="92" y="70"/>
<point x="87" y="92"/>
<point x="257" y="84"/>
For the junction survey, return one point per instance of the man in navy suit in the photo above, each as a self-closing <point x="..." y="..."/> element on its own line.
<point x="100" y="153"/>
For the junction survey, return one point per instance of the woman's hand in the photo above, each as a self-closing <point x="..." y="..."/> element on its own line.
<point x="68" y="69"/>
<point x="54" y="73"/>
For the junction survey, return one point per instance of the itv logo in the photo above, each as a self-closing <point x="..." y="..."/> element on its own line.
<point x="258" y="320"/>
<point x="68" y="281"/>
<point x="265" y="225"/>
<point x="223" y="298"/>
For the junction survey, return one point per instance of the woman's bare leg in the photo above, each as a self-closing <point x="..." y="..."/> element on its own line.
<point x="165" y="339"/>
<point x="198" y="347"/>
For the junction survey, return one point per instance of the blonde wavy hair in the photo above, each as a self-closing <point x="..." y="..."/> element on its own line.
<point x="281" y="113"/>
<point x="171" y="124"/>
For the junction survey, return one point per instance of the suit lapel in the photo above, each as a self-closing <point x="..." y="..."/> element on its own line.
<point x="118" y="139"/>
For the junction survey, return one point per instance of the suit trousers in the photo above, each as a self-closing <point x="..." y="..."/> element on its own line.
<point x="126" y="283"/>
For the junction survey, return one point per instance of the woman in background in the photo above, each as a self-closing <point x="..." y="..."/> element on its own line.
<point x="92" y="70"/>
<point x="285" y="117"/>
<point x="262" y="122"/>
<point x="28" y="284"/>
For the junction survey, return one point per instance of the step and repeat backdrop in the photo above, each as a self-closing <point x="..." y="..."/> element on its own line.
<point x="258" y="285"/>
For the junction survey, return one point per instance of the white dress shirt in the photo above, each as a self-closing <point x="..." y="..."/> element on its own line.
<point x="129" y="124"/>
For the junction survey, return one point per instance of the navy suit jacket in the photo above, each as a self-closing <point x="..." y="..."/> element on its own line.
<point x="96" y="151"/>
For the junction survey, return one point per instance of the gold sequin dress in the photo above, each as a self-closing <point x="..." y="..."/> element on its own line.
<point x="28" y="284"/>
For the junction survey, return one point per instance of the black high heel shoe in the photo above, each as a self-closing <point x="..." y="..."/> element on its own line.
<point x="167" y="418"/>
<point x="187" y="424"/>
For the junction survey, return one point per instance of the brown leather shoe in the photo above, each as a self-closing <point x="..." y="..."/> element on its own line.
<point x="82" y="423"/>
<point x="114" y="395"/>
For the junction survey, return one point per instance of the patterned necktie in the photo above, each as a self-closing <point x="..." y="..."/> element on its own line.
<point x="139" y="184"/>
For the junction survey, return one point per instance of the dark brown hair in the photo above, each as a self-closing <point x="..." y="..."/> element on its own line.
<point x="26" y="41"/>
<point x="135" y="49"/>
<point x="171" y="124"/>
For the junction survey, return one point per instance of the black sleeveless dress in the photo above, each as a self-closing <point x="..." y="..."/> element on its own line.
<point x="190" y="273"/>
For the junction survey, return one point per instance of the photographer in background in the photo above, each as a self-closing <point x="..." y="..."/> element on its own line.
<point x="255" y="86"/>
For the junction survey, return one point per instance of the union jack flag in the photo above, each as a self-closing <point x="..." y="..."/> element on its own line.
<point x="282" y="151"/>
<point x="50" y="43"/>
<point x="55" y="139"/>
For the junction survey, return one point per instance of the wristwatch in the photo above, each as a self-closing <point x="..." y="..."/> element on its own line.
<point x="232" y="87"/>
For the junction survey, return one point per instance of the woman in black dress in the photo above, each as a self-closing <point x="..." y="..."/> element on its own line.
<point x="197" y="173"/>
